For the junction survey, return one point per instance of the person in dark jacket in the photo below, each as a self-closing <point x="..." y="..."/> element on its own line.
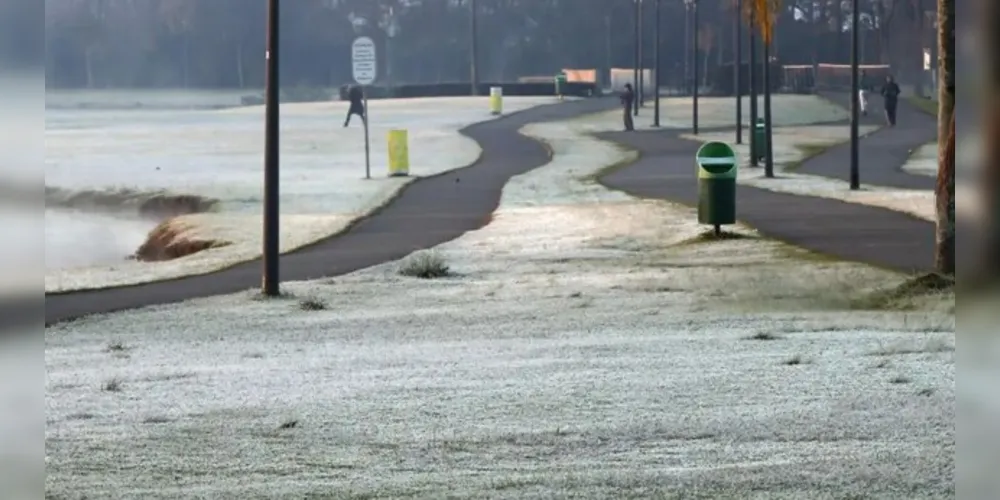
<point x="627" y="98"/>
<point x="890" y="93"/>
<point x="357" y="97"/>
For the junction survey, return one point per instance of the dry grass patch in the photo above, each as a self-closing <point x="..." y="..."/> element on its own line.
<point x="711" y="236"/>
<point x="313" y="304"/>
<point x="425" y="264"/>
<point x="113" y="384"/>
<point x="764" y="336"/>
<point x="173" y="239"/>
<point x="910" y="295"/>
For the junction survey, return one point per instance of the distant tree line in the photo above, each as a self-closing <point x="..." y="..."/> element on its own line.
<point x="220" y="43"/>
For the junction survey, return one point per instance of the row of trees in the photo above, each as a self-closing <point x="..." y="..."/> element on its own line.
<point x="220" y="43"/>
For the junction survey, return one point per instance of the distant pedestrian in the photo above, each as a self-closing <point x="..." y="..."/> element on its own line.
<point x="627" y="98"/>
<point x="890" y="92"/>
<point x="863" y="89"/>
<point x="357" y="97"/>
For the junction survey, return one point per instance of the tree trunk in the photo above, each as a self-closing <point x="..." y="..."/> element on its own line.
<point x="88" y="61"/>
<point x="944" y="258"/>
<point x="944" y="252"/>
<point x="240" y="73"/>
<point x="186" y="62"/>
<point x="989" y="193"/>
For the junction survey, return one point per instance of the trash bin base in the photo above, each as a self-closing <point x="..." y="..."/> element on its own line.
<point x="717" y="201"/>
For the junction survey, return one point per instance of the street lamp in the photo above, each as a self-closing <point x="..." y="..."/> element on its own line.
<point x="692" y="5"/>
<point x="768" y="149"/>
<point x="270" y="281"/>
<point x="473" y="48"/>
<point x="855" y="87"/>
<point x="390" y="24"/>
<point x="656" y="66"/>
<point x="738" y="68"/>
<point x="752" y="74"/>
<point x="637" y="28"/>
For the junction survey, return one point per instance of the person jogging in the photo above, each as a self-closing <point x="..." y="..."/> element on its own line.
<point x="357" y="97"/>
<point x="627" y="98"/>
<point x="890" y="92"/>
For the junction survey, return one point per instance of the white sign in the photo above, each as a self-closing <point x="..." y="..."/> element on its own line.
<point x="927" y="59"/>
<point x="363" y="66"/>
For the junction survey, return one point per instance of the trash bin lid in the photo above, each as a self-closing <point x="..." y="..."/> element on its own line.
<point x="716" y="160"/>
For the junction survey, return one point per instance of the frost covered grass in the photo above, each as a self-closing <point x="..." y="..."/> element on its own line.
<point x="713" y="112"/>
<point x="216" y="154"/>
<point x="595" y="347"/>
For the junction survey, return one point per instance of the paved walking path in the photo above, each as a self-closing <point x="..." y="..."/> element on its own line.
<point x="848" y="231"/>
<point x="882" y="153"/>
<point x="428" y="212"/>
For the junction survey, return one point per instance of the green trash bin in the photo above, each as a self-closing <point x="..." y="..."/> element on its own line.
<point x="717" y="166"/>
<point x="759" y="136"/>
<point x="560" y="84"/>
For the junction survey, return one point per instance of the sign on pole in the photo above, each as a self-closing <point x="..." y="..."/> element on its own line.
<point x="364" y="69"/>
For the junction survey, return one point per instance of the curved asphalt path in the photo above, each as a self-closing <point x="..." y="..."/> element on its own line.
<point x="427" y="212"/>
<point x="848" y="231"/>
<point x="882" y="153"/>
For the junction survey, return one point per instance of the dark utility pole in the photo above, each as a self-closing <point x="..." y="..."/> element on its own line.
<point x="768" y="149"/>
<point x="270" y="283"/>
<point x="635" y="63"/>
<point x="656" y="66"/>
<point x="694" y="59"/>
<point x="855" y="87"/>
<point x="642" y="57"/>
<point x="738" y="68"/>
<point x="752" y="73"/>
<point x="473" y="48"/>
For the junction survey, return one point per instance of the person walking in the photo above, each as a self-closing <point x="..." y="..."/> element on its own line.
<point x="864" y="88"/>
<point x="357" y="97"/>
<point x="890" y="93"/>
<point x="627" y="98"/>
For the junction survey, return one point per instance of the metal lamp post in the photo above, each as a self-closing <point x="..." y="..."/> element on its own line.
<point x="752" y="74"/>
<point x="855" y="87"/>
<point x="738" y="68"/>
<point x="692" y="5"/>
<point x="656" y="66"/>
<point x="270" y="281"/>
<point x="391" y="26"/>
<point x="768" y="149"/>
<point x="637" y="28"/>
<point x="473" y="48"/>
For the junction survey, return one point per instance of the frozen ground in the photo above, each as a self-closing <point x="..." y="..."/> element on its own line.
<point x="218" y="154"/>
<point x="713" y="112"/>
<point x="150" y="99"/>
<point x="579" y="349"/>
<point x="793" y="145"/>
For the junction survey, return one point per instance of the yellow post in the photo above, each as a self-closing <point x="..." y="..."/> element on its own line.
<point x="399" y="153"/>
<point x="496" y="100"/>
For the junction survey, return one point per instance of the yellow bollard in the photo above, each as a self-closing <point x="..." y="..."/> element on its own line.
<point x="496" y="100"/>
<point x="399" y="153"/>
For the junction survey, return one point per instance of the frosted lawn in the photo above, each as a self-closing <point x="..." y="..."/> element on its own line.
<point x="594" y="348"/>
<point x="217" y="154"/>
<point x="715" y="112"/>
